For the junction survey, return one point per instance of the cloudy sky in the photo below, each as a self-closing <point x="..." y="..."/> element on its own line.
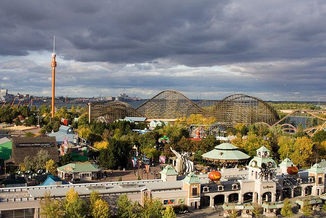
<point x="207" y="49"/>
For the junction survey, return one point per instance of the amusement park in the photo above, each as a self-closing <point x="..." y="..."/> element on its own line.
<point x="239" y="156"/>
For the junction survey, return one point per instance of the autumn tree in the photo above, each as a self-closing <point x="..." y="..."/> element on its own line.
<point x="74" y="206"/>
<point x="101" y="145"/>
<point x="302" y="150"/>
<point x="100" y="209"/>
<point x="152" y="208"/>
<point x="50" y="167"/>
<point x="51" y="208"/>
<point x="286" y="210"/>
<point x="307" y="208"/>
<point x="286" y="146"/>
<point x="168" y="212"/>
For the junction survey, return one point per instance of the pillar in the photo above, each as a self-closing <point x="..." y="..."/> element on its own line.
<point x="211" y="201"/>
<point x="292" y="193"/>
<point x="254" y="197"/>
<point x="241" y="199"/>
<point x="226" y="198"/>
<point x="89" y="112"/>
<point x="273" y="197"/>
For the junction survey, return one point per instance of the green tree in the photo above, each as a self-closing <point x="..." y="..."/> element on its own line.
<point x="127" y="209"/>
<point x="74" y="206"/>
<point x="286" y="146"/>
<point x="319" y="136"/>
<point x="307" y="208"/>
<point x="168" y="212"/>
<point x="286" y="210"/>
<point x="40" y="159"/>
<point x="51" y="208"/>
<point x="152" y="209"/>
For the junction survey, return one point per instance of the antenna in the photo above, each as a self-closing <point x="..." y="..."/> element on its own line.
<point x="53" y="45"/>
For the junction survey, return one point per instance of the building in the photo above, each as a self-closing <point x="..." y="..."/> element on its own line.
<point x="65" y="133"/>
<point x="226" y="154"/>
<point x="262" y="183"/>
<point x="30" y="146"/>
<point x="82" y="171"/>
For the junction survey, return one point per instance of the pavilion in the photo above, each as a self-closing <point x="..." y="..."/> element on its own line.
<point x="226" y="154"/>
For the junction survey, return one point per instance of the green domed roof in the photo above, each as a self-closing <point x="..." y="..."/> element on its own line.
<point x="226" y="146"/>
<point x="225" y="151"/>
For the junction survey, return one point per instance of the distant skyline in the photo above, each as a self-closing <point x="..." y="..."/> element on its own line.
<point x="208" y="49"/>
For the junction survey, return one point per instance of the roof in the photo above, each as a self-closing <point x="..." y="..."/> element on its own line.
<point x="225" y="151"/>
<point x="258" y="161"/>
<point x="286" y="163"/>
<point x="169" y="171"/>
<point x="64" y="133"/>
<point x="135" y="119"/>
<point x="262" y="149"/>
<point x="53" y="180"/>
<point x="5" y="149"/>
<point x="79" y="167"/>
<point x="226" y="146"/>
<point x="316" y="168"/>
<point x="30" y="146"/>
<point x="191" y="178"/>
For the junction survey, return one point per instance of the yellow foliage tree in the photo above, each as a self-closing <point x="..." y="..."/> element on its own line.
<point x="286" y="146"/>
<point x="100" y="209"/>
<point x="50" y="167"/>
<point x="251" y="143"/>
<point x="198" y="119"/>
<point x="302" y="150"/>
<point x="84" y="132"/>
<point x="101" y="145"/>
<point x="71" y="196"/>
<point x="168" y="212"/>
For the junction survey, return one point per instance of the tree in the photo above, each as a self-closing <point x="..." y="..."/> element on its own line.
<point x="319" y="136"/>
<point x="94" y="196"/>
<point x="100" y="209"/>
<point x="101" y="145"/>
<point x="257" y="210"/>
<point x="152" y="208"/>
<point x="287" y="208"/>
<point x="302" y="151"/>
<point x="74" y="206"/>
<point x="50" y="167"/>
<point x="127" y="209"/>
<point x="28" y="163"/>
<point x="307" y="208"/>
<point x="40" y="159"/>
<point x="168" y="212"/>
<point x="233" y="214"/>
<point x="51" y="208"/>
<point x="286" y="146"/>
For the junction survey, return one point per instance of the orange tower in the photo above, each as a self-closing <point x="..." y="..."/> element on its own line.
<point x="53" y="65"/>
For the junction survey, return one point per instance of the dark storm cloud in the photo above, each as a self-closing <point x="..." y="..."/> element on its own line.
<point x="279" y="45"/>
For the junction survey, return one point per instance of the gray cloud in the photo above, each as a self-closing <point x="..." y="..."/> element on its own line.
<point x="277" y="47"/>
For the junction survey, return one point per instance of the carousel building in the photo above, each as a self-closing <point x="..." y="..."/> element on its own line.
<point x="226" y="154"/>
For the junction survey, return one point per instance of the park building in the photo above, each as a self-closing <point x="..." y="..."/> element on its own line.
<point x="262" y="183"/>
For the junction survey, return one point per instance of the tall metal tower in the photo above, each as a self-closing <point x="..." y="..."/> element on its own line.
<point x="53" y="65"/>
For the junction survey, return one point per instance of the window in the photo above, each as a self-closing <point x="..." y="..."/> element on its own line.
<point x="206" y="189"/>
<point x="299" y="180"/>
<point x="194" y="191"/>
<point x="220" y="188"/>
<point x="320" y="180"/>
<point x="235" y="186"/>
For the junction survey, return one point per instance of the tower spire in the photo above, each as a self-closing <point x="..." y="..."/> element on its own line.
<point x="53" y="66"/>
